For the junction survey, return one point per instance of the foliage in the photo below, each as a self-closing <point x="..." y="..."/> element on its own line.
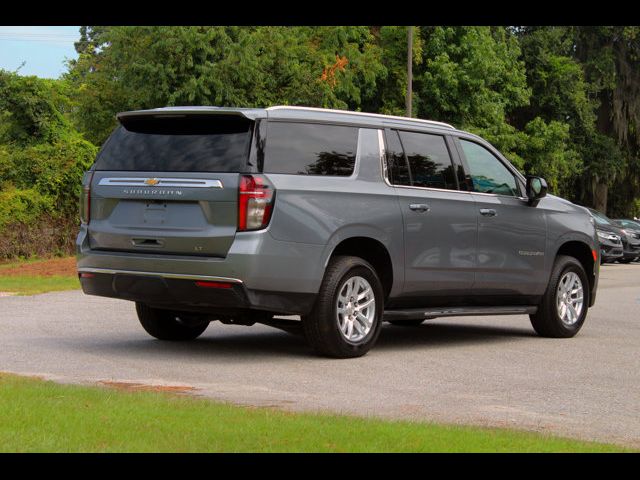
<point x="561" y="102"/>
<point x="22" y="206"/>
<point x="42" y="159"/>
<point x="147" y="67"/>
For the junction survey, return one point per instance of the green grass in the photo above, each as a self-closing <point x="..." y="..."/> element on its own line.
<point x="33" y="284"/>
<point x="39" y="416"/>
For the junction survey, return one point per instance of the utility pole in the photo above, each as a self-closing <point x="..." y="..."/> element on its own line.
<point x="409" y="69"/>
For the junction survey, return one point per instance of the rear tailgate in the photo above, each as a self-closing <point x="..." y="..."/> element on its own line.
<point x="169" y="184"/>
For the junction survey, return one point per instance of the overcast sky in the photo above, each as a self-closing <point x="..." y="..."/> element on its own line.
<point x="43" y="49"/>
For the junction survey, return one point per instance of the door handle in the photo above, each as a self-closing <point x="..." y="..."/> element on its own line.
<point x="488" y="212"/>
<point x="419" y="207"/>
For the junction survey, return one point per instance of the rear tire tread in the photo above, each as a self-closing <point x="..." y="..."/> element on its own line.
<point x="320" y="327"/>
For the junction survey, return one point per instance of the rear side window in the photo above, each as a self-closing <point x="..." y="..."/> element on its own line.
<point x="310" y="149"/>
<point x="196" y="143"/>
<point x="397" y="167"/>
<point x="429" y="160"/>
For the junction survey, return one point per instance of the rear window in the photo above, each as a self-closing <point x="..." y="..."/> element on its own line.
<point x="310" y="149"/>
<point x="178" y="144"/>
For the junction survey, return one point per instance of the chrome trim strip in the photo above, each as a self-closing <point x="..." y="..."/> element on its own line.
<point x="362" y="114"/>
<point x="383" y="158"/>
<point x="179" y="276"/>
<point x="433" y="188"/>
<point x="410" y="314"/>
<point x="162" y="182"/>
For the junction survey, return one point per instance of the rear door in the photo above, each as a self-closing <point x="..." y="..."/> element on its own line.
<point x="169" y="184"/>
<point x="440" y="222"/>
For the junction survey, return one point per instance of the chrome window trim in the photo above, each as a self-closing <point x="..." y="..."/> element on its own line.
<point x="162" y="182"/>
<point x="385" y="172"/>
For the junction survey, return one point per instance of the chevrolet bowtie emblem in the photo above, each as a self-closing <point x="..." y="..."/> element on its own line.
<point x="151" y="181"/>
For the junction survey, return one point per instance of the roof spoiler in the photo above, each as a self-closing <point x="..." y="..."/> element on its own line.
<point x="176" y="112"/>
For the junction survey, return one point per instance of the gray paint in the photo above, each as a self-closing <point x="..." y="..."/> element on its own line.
<point x="447" y="250"/>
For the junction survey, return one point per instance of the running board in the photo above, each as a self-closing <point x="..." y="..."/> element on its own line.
<point x="426" y="313"/>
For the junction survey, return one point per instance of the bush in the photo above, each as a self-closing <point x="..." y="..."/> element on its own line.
<point x="42" y="159"/>
<point x="22" y="206"/>
<point x="45" y="236"/>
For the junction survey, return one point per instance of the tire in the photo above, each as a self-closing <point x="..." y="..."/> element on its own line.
<point x="168" y="325"/>
<point x="322" y="327"/>
<point x="547" y="321"/>
<point x="408" y="323"/>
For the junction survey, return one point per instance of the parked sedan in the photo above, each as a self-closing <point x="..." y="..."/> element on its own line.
<point x="610" y="237"/>
<point x="632" y="230"/>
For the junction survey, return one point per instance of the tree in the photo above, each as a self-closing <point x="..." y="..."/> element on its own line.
<point x="123" y="68"/>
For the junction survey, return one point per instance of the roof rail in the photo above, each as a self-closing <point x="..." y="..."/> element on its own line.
<point x="378" y="115"/>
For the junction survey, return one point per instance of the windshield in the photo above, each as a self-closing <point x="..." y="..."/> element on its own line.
<point x="187" y="143"/>
<point x="629" y="224"/>
<point x="600" y="218"/>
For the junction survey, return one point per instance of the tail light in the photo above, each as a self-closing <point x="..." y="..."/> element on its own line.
<point x="255" y="202"/>
<point x="85" y="201"/>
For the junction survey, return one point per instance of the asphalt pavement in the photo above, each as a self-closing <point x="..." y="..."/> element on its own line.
<point x="492" y="371"/>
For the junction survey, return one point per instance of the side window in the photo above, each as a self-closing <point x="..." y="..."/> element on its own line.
<point x="310" y="149"/>
<point x="488" y="174"/>
<point x="429" y="161"/>
<point x="396" y="163"/>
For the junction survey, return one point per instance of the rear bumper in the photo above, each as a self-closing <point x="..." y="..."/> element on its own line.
<point x="181" y="292"/>
<point x="266" y="274"/>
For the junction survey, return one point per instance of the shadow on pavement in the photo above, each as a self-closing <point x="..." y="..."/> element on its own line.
<point x="249" y="344"/>
<point x="439" y="334"/>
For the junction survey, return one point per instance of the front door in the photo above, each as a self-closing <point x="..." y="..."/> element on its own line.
<point x="511" y="233"/>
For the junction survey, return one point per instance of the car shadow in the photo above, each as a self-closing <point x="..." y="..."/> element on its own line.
<point x="431" y="334"/>
<point x="249" y="345"/>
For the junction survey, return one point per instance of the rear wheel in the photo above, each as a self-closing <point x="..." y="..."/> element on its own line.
<point x="169" y="325"/>
<point x="346" y="319"/>
<point x="566" y="301"/>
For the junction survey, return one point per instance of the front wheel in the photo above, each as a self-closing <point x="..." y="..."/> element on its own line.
<point x="168" y="325"/>
<point x="346" y="319"/>
<point x="564" y="306"/>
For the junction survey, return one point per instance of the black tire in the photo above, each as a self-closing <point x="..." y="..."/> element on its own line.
<point x="321" y="326"/>
<point x="169" y="325"/>
<point x="546" y="321"/>
<point x="408" y="323"/>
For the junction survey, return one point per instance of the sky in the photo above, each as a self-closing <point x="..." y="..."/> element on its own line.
<point x="43" y="49"/>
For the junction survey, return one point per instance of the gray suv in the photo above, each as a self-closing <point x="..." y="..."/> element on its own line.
<point x="346" y="219"/>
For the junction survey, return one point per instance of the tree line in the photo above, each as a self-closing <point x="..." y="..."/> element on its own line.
<point x="559" y="102"/>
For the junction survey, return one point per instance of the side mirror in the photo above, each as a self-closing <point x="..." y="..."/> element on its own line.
<point x="536" y="189"/>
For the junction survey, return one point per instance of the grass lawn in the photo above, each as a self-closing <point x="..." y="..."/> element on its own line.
<point x="39" y="416"/>
<point x="33" y="284"/>
<point x="29" y="277"/>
